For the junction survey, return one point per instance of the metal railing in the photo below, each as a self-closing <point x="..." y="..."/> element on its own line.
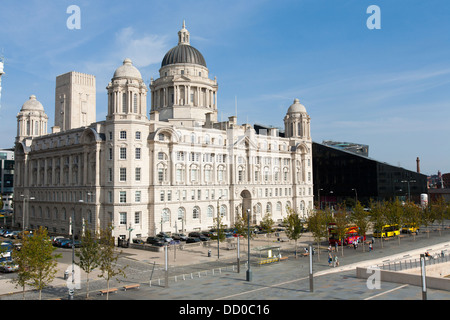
<point x="406" y="264"/>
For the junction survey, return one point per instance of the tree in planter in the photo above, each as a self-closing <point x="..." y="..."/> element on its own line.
<point x="294" y="226"/>
<point x="88" y="254"/>
<point x="361" y="218"/>
<point x="108" y="258"/>
<point x="37" y="263"/>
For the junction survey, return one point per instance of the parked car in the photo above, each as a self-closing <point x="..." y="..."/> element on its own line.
<point x="179" y="236"/>
<point x="15" y="234"/>
<point x="198" y="235"/>
<point x="55" y="239"/>
<point x="8" y="234"/>
<point x="138" y="241"/>
<point x="193" y="240"/>
<point x="9" y="266"/>
<point x="60" y="242"/>
<point x="68" y="244"/>
<point x="165" y="237"/>
<point x="155" y="241"/>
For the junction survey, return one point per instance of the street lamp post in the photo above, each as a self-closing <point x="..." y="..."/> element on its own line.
<point x="409" y="192"/>
<point x="218" y="227"/>
<point x="249" y="271"/>
<point x="320" y="202"/>
<point x="356" y="195"/>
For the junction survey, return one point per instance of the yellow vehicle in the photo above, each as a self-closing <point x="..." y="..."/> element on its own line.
<point x="387" y="231"/>
<point x="409" y="228"/>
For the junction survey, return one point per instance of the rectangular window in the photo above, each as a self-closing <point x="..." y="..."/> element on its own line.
<point x="162" y="196"/>
<point x="137" y="217"/>
<point x="123" y="153"/>
<point x="137" y="174"/>
<point x="110" y="157"/>
<point x="123" y="135"/>
<point x="123" y="174"/>
<point x="123" y="218"/>
<point x="138" y="135"/>
<point x="137" y="196"/>
<point x="138" y="154"/>
<point x="110" y="174"/>
<point x="110" y="197"/>
<point x="169" y="195"/>
<point x="123" y="197"/>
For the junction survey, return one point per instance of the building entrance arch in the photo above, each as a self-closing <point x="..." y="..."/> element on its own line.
<point x="247" y="205"/>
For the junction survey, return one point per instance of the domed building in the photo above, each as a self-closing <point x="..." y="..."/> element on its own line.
<point x="172" y="168"/>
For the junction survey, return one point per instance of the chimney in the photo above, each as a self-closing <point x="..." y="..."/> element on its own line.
<point x="418" y="165"/>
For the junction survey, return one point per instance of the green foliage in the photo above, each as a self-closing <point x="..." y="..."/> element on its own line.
<point x="37" y="263"/>
<point x="108" y="258"/>
<point x="267" y="223"/>
<point x="88" y="255"/>
<point x="294" y="226"/>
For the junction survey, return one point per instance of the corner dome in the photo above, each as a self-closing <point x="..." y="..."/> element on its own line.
<point x="32" y="105"/>
<point x="127" y="70"/>
<point x="297" y="107"/>
<point x="183" y="53"/>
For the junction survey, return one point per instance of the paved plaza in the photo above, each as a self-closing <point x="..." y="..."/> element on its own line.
<point x="195" y="276"/>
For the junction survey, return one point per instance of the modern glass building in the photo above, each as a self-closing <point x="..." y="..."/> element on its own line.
<point x="342" y="175"/>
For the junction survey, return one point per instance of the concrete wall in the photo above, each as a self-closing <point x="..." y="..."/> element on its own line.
<point x="407" y="278"/>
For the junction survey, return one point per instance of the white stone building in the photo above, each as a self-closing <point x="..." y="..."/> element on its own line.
<point x="174" y="170"/>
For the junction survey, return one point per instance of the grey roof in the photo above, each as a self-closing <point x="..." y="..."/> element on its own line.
<point x="183" y="53"/>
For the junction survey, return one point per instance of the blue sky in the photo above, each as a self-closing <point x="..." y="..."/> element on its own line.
<point x="388" y="88"/>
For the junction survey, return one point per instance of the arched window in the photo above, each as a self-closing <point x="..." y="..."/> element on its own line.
<point x="269" y="208"/>
<point x="210" y="212"/>
<point x="181" y="212"/>
<point x="196" y="213"/>
<point x="278" y="206"/>
<point x="223" y="211"/>
<point x="165" y="215"/>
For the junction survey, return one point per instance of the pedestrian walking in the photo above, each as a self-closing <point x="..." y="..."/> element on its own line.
<point x="336" y="261"/>
<point x="370" y="247"/>
<point x="330" y="259"/>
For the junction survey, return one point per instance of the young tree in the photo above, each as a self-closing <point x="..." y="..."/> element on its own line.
<point x="341" y="221"/>
<point x="377" y="217"/>
<point x="108" y="258"/>
<point x="440" y="211"/>
<point x="360" y="217"/>
<point x="394" y="214"/>
<point x="412" y="215"/>
<point x="428" y="216"/>
<point x="37" y="263"/>
<point x="88" y="254"/>
<point x="294" y="226"/>
<point x="318" y="225"/>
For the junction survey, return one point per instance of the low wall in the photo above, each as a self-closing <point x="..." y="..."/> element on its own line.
<point x="407" y="278"/>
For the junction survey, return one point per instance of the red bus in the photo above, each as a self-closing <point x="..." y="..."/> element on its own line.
<point x="351" y="235"/>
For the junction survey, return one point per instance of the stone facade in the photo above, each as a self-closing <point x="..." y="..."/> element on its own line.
<point x="173" y="171"/>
